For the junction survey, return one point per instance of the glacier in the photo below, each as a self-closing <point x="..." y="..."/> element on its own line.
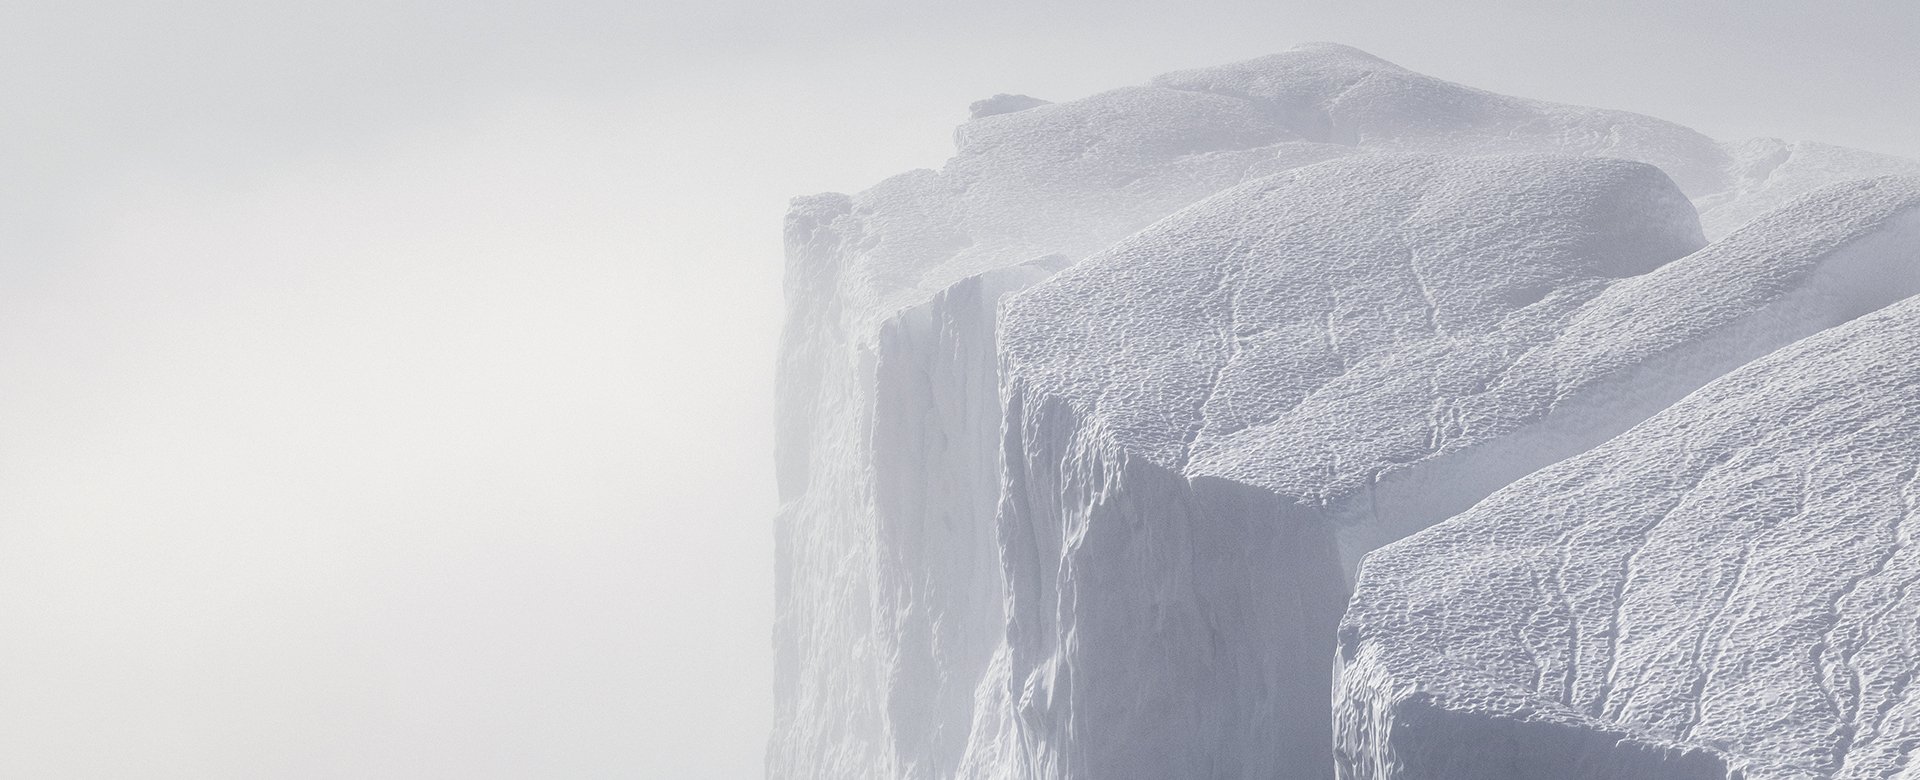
<point x="1337" y="357"/>
<point x="1723" y="591"/>
<point x="1081" y="438"/>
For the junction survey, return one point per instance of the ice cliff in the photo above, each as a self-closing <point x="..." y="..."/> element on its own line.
<point x="1723" y="591"/>
<point x="1082" y="436"/>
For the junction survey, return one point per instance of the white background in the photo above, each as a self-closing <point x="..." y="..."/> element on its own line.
<point x="385" y="386"/>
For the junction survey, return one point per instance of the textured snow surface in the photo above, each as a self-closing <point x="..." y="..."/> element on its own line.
<point x="1309" y="330"/>
<point x="1318" y="318"/>
<point x="1314" y="332"/>
<point x="1211" y="421"/>
<point x="1731" y="579"/>
<point x="1767" y="173"/>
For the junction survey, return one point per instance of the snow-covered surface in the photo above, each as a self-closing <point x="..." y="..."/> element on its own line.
<point x="1449" y="359"/>
<point x="1768" y="172"/>
<point x="1307" y="331"/>
<point x="1338" y="94"/>
<point x="1317" y="332"/>
<point x="1732" y="578"/>
<point x="1279" y="378"/>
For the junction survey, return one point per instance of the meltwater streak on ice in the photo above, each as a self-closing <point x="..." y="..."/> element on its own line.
<point x="889" y="449"/>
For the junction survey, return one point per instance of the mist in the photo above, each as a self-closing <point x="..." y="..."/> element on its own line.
<point x="387" y="386"/>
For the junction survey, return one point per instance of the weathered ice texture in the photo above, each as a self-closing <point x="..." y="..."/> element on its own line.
<point x="889" y="596"/>
<point x="894" y="652"/>
<point x="1727" y="587"/>
<point x="1210" y="422"/>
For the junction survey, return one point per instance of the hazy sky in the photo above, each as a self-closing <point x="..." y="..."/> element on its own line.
<point x="385" y="386"/>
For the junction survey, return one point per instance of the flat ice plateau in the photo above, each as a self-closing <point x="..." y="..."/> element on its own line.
<point x="1309" y="417"/>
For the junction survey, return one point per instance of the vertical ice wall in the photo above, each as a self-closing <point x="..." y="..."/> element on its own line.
<point x="889" y="595"/>
<point x="888" y="558"/>
<point x="936" y="478"/>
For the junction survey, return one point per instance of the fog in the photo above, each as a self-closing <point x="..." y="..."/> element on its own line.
<point x="385" y="387"/>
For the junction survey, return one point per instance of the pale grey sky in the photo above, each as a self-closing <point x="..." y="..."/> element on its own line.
<point x="386" y="386"/>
